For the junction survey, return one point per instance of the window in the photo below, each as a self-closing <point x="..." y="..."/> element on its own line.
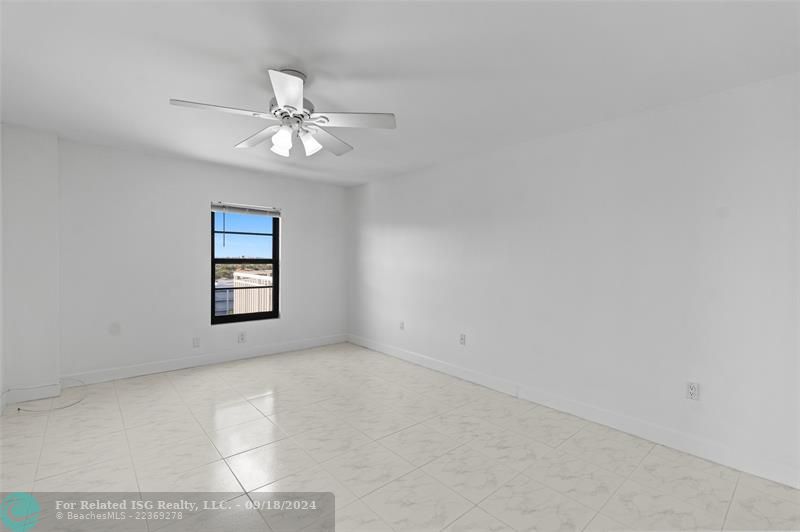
<point x="244" y="263"/>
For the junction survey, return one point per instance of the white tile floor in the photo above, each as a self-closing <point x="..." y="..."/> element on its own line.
<point x="402" y="448"/>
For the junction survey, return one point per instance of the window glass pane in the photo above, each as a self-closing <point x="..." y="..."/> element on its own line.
<point x="228" y="246"/>
<point x="229" y="301"/>
<point x="244" y="274"/>
<point x="243" y="223"/>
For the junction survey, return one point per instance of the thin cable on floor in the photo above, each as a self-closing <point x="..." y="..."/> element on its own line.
<point x="51" y="408"/>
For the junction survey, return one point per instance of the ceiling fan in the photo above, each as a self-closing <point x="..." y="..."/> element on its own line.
<point x="293" y="116"/>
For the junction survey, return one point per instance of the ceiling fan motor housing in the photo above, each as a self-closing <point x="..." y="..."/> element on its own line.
<point x="289" y="112"/>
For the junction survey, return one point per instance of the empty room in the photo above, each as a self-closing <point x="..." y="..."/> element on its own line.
<point x="405" y="266"/>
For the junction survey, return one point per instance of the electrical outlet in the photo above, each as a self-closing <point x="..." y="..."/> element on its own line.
<point x="196" y="342"/>
<point x="242" y="338"/>
<point x="693" y="391"/>
<point x="402" y="326"/>
<point x="115" y="329"/>
<point x="462" y="339"/>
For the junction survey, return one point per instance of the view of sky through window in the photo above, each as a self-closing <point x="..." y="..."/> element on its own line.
<point x="257" y="246"/>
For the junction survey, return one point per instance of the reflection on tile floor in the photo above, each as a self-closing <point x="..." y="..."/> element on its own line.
<point x="402" y="447"/>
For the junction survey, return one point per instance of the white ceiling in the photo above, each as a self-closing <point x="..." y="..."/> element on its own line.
<point x="460" y="76"/>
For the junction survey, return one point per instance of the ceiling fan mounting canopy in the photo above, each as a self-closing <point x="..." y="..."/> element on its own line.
<point x="293" y="116"/>
<point x="295" y="73"/>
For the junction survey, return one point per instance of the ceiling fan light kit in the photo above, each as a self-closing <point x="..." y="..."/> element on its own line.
<point x="280" y="150"/>
<point x="294" y="116"/>
<point x="310" y="144"/>
<point x="283" y="138"/>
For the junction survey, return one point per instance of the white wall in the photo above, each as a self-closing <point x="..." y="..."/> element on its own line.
<point x="30" y="214"/>
<point x="136" y="250"/>
<point x="600" y="270"/>
<point x="132" y="234"/>
<point x="2" y="357"/>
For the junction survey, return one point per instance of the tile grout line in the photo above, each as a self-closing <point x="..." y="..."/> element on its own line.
<point x="208" y="437"/>
<point x="471" y="508"/>
<point x="317" y="463"/>
<point x="78" y="438"/>
<point x="730" y="503"/>
<point x="466" y="444"/>
<point x="130" y="450"/>
<point x="224" y="461"/>
<point x="519" y="474"/>
<point x="416" y="468"/>
<point x="41" y="450"/>
<point x="180" y="440"/>
<point x="544" y="486"/>
<point x="625" y="480"/>
<point x="663" y="491"/>
<point x="629" y="477"/>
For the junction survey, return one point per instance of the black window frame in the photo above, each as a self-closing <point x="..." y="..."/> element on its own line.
<point x="275" y="261"/>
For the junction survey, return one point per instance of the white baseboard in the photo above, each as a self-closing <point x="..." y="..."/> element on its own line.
<point x="217" y="357"/>
<point x="760" y="465"/>
<point x="495" y="383"/>
<point x="33" y="393"/>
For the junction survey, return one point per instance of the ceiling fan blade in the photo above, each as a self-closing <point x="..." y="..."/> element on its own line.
<point x="232" y="110"/>
<point x="331" y="142"/>
<point x="288" y="89"/>
<point x="371" y="120"/>
<point x="258" y="138"/>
